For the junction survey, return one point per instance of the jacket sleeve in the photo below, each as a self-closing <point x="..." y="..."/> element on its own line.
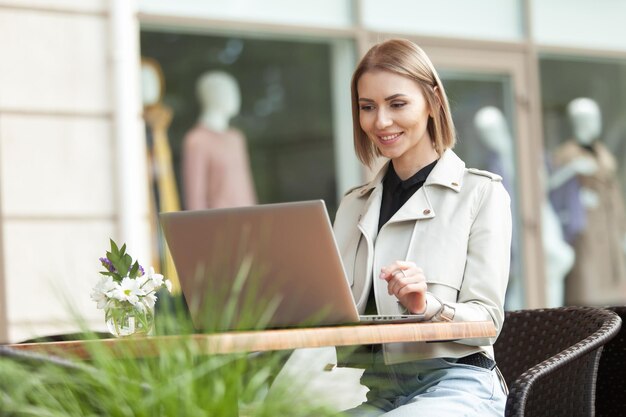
<point x="482" y="292"/>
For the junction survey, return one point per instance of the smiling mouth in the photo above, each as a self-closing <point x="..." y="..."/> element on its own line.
<point x="389" y="138"/>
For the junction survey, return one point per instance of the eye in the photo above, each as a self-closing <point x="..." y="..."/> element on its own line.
<point x="398" y="104"/>
<point x="366" y="107"/>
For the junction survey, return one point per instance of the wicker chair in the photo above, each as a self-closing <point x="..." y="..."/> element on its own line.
<point x="611" y="384"/>
<point x="549" y="358"/>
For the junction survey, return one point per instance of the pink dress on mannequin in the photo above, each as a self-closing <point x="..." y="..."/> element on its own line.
<point x="216" y="170"/>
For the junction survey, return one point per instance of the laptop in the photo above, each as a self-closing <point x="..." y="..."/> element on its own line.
<point x="263" y="266"/>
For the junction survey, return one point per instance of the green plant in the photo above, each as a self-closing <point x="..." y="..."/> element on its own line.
<point x="175" y="380"/>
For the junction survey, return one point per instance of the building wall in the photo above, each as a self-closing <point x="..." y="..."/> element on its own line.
<point x="57" y="162"/>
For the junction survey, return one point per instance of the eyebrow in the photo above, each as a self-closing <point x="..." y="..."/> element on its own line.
<point x="386" y="98"/>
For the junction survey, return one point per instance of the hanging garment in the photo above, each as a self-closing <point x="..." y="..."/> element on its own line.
<point x="598" y="276"/>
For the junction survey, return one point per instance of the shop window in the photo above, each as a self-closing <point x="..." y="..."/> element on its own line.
<point x="584" y="129"/>
<point x="285" y="114"/>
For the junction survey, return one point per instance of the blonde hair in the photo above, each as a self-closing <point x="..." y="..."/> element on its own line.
<point x="403" y="57"/>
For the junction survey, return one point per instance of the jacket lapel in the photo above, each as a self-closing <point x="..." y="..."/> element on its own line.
<point x="447" y="175"/>
<point x="418" y="207"/>
<point x="368" y="218"/>
<point x="368" y="222"/>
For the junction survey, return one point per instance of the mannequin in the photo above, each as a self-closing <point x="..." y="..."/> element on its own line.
<point x="585" y="119"/>
<point x="599" y="273"/>
<point x="494" y="133"/>
<point x="216" y="171"/>
<point x="158" y="117"/>
<point x="559" y="255"/>
<point x="164" y="191"/>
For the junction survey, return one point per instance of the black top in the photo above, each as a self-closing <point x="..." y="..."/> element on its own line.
<point x="395" y="193"/>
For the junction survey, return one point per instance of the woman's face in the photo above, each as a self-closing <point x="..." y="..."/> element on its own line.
<point x="393" y="112"/>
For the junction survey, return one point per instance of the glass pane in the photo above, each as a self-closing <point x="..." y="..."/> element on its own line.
<point x="490" y="19"/>
<point x="286" y="109"/>
<point x="264" y="132"/>
<point x="584" y="124"/>
<point x="483" y="116"/>
<point x="581" y="23"/>
<point x="326" y="13"/>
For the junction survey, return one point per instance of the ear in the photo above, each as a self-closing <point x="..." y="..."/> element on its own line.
<point x="437" y="92"/>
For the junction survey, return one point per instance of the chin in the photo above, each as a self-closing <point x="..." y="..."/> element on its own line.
<point x="390" y="154"/>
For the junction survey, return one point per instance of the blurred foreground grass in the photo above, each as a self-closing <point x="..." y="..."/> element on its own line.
<point x="179" y="381"/>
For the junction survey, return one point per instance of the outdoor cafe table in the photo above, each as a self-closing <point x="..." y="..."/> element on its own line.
<point x="268" y="340"/>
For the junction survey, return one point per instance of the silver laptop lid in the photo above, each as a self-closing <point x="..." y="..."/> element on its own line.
<point x="273" y="265"/>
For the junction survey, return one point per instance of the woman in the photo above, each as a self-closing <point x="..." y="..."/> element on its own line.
<point x="427" y="237"/>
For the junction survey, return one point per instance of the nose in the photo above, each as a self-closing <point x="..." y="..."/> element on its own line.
<point x="382" y="120"/>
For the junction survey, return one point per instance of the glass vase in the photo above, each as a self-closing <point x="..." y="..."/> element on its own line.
<point x="127" y="320"/>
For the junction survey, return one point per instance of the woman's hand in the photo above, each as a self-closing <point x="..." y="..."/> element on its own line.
<point x="408" y="283"/>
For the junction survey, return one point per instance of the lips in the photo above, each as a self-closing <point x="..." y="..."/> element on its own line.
<point x="389" y="138"/>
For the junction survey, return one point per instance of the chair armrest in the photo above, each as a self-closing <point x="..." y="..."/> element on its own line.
<point x="521" y="387"/>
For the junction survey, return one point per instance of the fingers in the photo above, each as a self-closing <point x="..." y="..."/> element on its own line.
<point x="403" y="278"/>
<point x="402" y="286"/>
<point x="411" y="288"/>
<point x="398" y="280"/>
<point x="401" y="267"/>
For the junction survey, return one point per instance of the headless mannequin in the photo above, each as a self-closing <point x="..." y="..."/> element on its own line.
<point x="216" y="169"/>
<point x="599" y="273"/>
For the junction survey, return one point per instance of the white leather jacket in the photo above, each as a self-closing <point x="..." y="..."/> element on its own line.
<point x="456" y="227"/>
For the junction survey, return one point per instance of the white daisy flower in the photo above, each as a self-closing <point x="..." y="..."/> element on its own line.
<point x="157" y="279"/>
<point x="146" y="283"/>
<point x="130" y="290"/>
<point x="103" y="290"/>
<point x="149" y="300"/>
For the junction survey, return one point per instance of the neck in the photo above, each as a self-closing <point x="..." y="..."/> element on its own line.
<point x="214" y="121"/>
<point x="407" y="165"/>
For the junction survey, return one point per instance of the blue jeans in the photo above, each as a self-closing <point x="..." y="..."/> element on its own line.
<point x="433" y="387"/>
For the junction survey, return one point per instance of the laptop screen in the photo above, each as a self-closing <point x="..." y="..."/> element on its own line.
<point x="264" y="266"/>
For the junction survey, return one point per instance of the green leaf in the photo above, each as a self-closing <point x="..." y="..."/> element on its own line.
<point x="116" y="277"/>
<point x="121" y="261"/>
<point x="113" y="257"/>
<point x="133" y="270"/>
<point x="123" y="265"/>
<point x="114" y="248"/>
